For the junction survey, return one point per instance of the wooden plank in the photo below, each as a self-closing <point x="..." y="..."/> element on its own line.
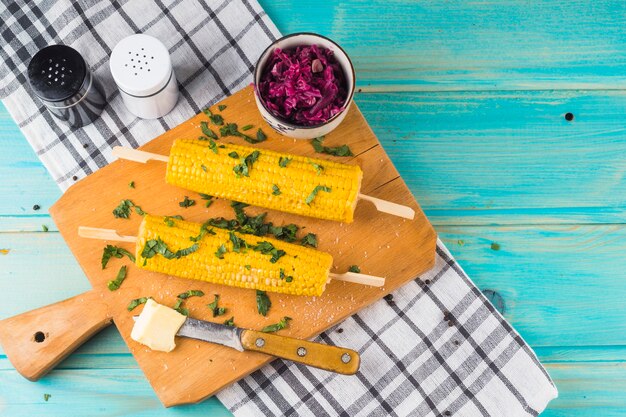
<point x="585" y="390"/>
<point x="459" y="45"/>
<point x="550" y="277"/>
<point x="478" y="157"/>
<point x="371" y="241"/>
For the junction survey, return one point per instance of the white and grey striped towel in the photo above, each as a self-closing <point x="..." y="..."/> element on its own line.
<point x="436" y="347"/>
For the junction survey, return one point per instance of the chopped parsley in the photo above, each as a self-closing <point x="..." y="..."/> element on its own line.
<point x="276" y="190"/>
<point x="137" y="301"/>
<point x="121" y="276"/>
<point x="111" y="251"/>
<point x="46" y="397"/>
<point x="204" y="230"/>
<point x="234" y="155"/>
<point x="287" y="278"/>
<point x="247" y="127"/>
<point x="318" y="168"/>
<point x="204" y="168"/>
<point x="217" y="119"/>
<point x="343" y="150"/>
<point x="221" y="251"/>
<point x="221" y="107"/>
<point x="131" y="184"/>
<point x="283" y="161"/>
<point x="263" y="302"/>
<point x="316" y="190"/>
<point x="139" y="211"/>
<point x="354" y="268"/>
<point x="212" y="146"/>
<point x="122" y="211"/>
<point x="191" y="293"/>
<point x="266" y="248"/>
<point x="187" y="202"/>
<point x="243" y="168"/>
<point x="207" y="198"/>
<point x="169" y="220"/>
<point x="217" y="311"/>
<point x="238" y="243"/>
<point x="248" y="267"/>
<point x="276" y="326"/>
<point x="231" y="129"/>
<point x="230" y="321"/>
<point x="206" y="130"/>
<point x="44" y="228"/>
<point x="309" y="240"/>
<point x="158" y="246"/>
<point x="286" y="232"/>
<point x="179" y="307"/>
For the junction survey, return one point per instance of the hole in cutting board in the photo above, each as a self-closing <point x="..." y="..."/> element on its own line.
<point x="39" y="337"/>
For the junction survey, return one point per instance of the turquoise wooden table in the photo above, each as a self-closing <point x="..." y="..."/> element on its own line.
<point x="507" y="121"/>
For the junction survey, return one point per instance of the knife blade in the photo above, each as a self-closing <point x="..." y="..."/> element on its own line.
<point x="331" y="358"/>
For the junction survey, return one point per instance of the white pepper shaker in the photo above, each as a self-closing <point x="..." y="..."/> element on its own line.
<point x="142" y="69"/>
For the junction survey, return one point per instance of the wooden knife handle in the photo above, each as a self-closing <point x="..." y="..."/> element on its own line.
<point x="331" y="358"/>
<point x="37" y="340"/>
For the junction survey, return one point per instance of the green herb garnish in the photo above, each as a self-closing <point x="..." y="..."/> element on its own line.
<point x="221" y="107"/>
<point x="158" y="246"/>
<point x="217" y="119"/>
<point x="131" y="184"/>
<point x="263" y="302"/>
<point x="248" y="267"/>
<point x="247" y="127"/>
<point x="283" y="161"/>
<point x="111" y="251"/>
<point x="46" y="397"/>
<point x="318" y="168"/>
<point x="179" y="307"/>
<point x="204" y="230"/>
<point x="495" y="246"/>
<point x="243" y="168"/>
<point x="137" y="301"/>
<point x="309" y="240"/>
<point x="207" y="198"/>
<point x="44" y="228"/>
<point x="212" y="146"/>
<point x="316" y="190"/>
<point x="276" y="190"/>
<point x="139" y="211"/>
<point x="204" y="168"/>
<point x="287" y="278"/>
<point x="354" y="268"/>
<point x="238" y="243"/>
<point x="230" y="321"/>
<point x="234" y="155"/>
<point x="122" y="211"/>
<point x="168" y="220"/>
<point x="221" y="251"/>
<point x="206" y="130"/>
<point x="343" y="150"/>
<point x="187" y="202"/>
<point x="266" y="248"/>
<point x="286" y="232"/>
<point x="191" y="293"/>
<point x="230" y="129"/>
<point x="121" y="276"/>
<point x="276" y="326"/>
<point x="217" y="311"/>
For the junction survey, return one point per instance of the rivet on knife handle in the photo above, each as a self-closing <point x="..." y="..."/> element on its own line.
<point x="331" y="358"/>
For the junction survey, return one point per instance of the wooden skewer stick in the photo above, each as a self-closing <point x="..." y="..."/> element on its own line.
<point x="110" y="234"/>
<point x="381" y="205"/>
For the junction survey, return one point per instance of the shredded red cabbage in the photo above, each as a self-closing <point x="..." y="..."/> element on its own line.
<point x="304" y="85"/>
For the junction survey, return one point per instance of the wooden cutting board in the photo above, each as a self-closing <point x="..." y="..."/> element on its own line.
<point x="379" y="243"/>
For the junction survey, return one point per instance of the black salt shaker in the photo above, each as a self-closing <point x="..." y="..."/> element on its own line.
<point x="60" y="77"/>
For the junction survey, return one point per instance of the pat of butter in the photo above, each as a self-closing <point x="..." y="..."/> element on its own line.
<point x="156" y="326"/>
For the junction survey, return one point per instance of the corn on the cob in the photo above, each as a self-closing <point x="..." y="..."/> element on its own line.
<point x="291" y="183"/>
<point x="230" y="258"/>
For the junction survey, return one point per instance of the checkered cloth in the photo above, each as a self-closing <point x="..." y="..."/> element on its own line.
<point x="435" y="347"/>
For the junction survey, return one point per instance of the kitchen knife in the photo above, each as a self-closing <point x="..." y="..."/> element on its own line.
<point x="331" y="358"/>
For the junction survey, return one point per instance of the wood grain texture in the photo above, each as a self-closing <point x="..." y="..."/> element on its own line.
<point x="330" y="358"/>
<point x="377" y="242"/>
<point x="38" y="340"/>
<point x="567" y="55"/>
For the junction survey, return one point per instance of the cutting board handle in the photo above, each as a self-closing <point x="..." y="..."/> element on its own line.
<point x="37" y="340"/>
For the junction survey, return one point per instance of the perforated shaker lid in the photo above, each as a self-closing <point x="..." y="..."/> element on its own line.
<point x="56" y="73"/>
<point x="140" y="65"/>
